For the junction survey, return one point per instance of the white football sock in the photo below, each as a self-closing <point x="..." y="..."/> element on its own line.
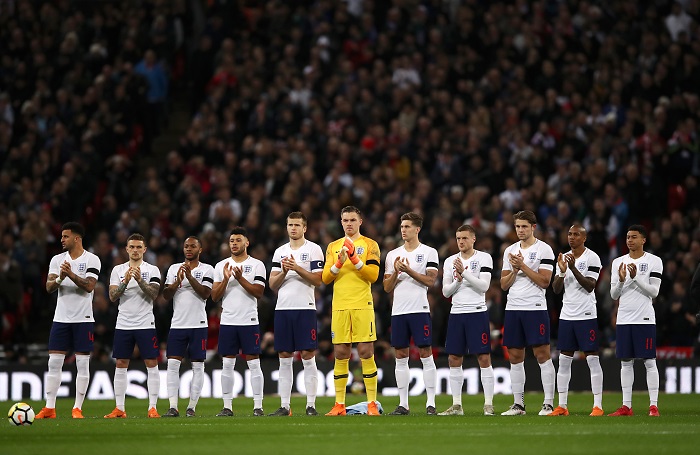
<point x="310" y="381"/>
<point x="196" y="385"/>
<point x="517" y="382"/>
<point x="403" y="377"/>
<point x="173" y="380"/>
<point x="257" y="382"/>
<point x="487" y="381"/>
<point x="153" y="383"/>
<point x="120" y="387"/>
<point x="596" y="380"/>
<point x="82" y="378"/>
<point x="456" y="383"/>
<point x="652" y="381"/>
<point x="53" y="378"/>
<point x="627" y="380"/>
<point x="430" y="379"/>
<point x="563" y="379"/>
<point x="286" y="374"/>
<point x="549" y="377"/>
<point x="227" y="381"/>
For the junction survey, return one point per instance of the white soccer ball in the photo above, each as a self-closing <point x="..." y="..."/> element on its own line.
<point x="20" y="414"/>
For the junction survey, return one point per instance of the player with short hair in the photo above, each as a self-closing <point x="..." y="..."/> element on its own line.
<point x="73" y="273"/>
<point x="577" y="273"/>
<point x="466" y="277"/>
<point x="136" y="285"/>
<point x="527" y="271"/>
<point x="189" y="285"/>
<point x="239" y="281"/>
<point x="297" y="267"/>
<point x="410" y="270"/>
<point x="352" y="264"/>
<point x="635" y="281"/>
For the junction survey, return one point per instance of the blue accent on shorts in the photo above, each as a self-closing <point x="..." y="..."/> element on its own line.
<point x="416" y="325"/>
<point x="525" y="328"/>
<point x="236" y="338"/>
<point x="578" y="335"/>
<point x="191" y="341"/>
<point x="296" y="330"/>
<point x="635" y="341"/>
<point x="77" y="336"/>
<point x="145" y="339"/>
<point x="468" y="333"/>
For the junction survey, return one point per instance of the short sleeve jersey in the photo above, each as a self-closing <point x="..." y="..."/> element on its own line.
<point x="239" y="307"/>
<point x="524" y="294"/>
<point x="135" y="307"/>
<point x="295" y="293"/>
<point x="189" y="309"/>
<point x="635" y="306"/>
<point x="466" y="299"/>
<point x="411" y="296"/>
<point x="74" y="305"/>
<point x="580" y="304"/>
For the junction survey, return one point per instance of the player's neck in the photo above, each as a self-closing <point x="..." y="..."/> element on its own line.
<point x="296" y="243"/>
<point x="467" y="254"/>
<point x="135" y="263"/>
<point x="355" y="236"/>
<point x="636" y="254"/>
<point x="527" y="243"/>
<point x="578" y="251"/>
<point x="412" y="244"/>
<point x="240" y="258"/>
<point x="194" y="263"/>
<point x="76" y="252"/>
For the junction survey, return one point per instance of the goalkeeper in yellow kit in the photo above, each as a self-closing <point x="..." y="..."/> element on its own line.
<point x="352" y="262"/>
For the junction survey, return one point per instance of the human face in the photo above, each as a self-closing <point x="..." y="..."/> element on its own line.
<point x="524" y="230"/>
<point x="576" y="237"/>
<point x="238" y="244"/>
<point x="296" y="228"/>
<point x="68" y="240"/>
<point x="351" y="222"/>
<point x="136" y="249"/>
<point x="409" y="231"/>
<point x="465" y="241"/>
<point x="192" y="249"/>
<point x="635" y="241"/>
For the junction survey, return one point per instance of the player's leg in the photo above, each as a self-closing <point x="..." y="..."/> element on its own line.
<point x="308" y="359"/>
<point x="341" y="337"/>
<point x="456" y="348"/>
<point x="250" y="345"/>
<point x="400" y="340"/>
<point x="228" y="349"/>
<point x="422" y="332"/>
<point x="284" y="345"/>
<point x="538" y="337"/>
<point x="306" y="341"/>
<point x="363" y="331"/>
<point x="587" y="338"/>
<point x="198" y="353"/>
<point x="83" y="336"/>
<point x="645" y="348"/>
<point x="567" y="345"/>
<point x="59" y="345"/>
<point x="514" y="338"/>
<point x="624" y="350"/>
<point x="147" y="341"/>
<point x="479" y="343"/>
<point x="122" y="350"/>
<point x="177" y="344"/>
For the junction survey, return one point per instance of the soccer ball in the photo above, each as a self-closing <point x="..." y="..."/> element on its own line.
<point x="20" y="414"/>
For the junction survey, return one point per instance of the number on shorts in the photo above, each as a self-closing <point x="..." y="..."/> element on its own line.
<point x="426" y="330"/>
<point x="155" y="342"/>
<point x="484" y="338"/>
<point x="313" y="334"/>
<point x="257" y="339"/>
<point x="542" y="329"/>
<point x="592" y="337"/>
<point x="91" y="336"/>
<point x="649" y="343"/>
<point x="204" y="345"/>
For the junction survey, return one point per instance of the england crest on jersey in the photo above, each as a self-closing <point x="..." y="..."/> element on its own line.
<point x="643" y="267"/>
<point x="145" y="275"/>
<point x="360" y="250"/>
<point x="198" y="276"/>
<point x="419" y="258"/>
<point x="82" y="267"/>
<point x="474" y="266"/>
<point x="533" y="256"/>
<point x="304" y="257"/>
<point x="581" y="266"/>
<point x="247" y="268"/>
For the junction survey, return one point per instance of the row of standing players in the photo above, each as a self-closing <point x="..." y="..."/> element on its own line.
<point x="352" y="264"/>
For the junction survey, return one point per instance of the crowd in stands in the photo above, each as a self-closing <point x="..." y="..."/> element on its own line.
<point x="464" y="111"/>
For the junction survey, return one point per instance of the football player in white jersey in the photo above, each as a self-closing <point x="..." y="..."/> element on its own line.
<point x="577" y="273"/>
<point x="410" y="270"/>
<point x="73" y="273"/>
<point x="527" y="271"/>
<point x="189" y="285"/>
<point x="239" y="281"/>
<point x="635" y="280"/>
<point x="297" y="267"/>
<point x="466" y="277"/>
<point x="136" y="285"/>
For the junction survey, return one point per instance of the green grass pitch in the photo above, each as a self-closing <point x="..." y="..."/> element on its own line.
<point x="676" y="432"/>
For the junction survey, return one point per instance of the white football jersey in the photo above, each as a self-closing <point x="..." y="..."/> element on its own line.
<point x="295" y="293"/>
<point x="189" y="309"/>
<point x="74" y="304"/>
<point x="238" y="306"/>
<point x="467" y="299"/>
<point x="524" y="294"/>
<point x="635" y="306"/>
<point x="411" y="296"/>
<point x="135" y="307"/>
<point x="580" y="304"/>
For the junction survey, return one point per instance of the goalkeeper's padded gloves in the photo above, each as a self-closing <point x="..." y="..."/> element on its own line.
<point x="354" y="258"/>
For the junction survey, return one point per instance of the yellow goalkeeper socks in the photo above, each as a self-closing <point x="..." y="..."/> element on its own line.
<point x="369" y="374"/>
<point x="340" y="378"/>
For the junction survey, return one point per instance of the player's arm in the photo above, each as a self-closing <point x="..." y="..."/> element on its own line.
<point x="650" y="287"/>
<point x="618" y="275"/>
<point x="370" y="269"/>
<point x="450" y="285"/>
<point x="312" y="277"/>
<point x="558" y="282"/>
<point x="276" y="279"/>
<point x="391" y="274"/>
<point x="254" y="289"/>
<point x="426" y="279"/>
<point x="507" y="279"/>
<point x="222" y="275"/>
<point x="201" y="289"/>
<point x="541" y="277"/>
<point x="51" y="285"/>
<point x="329" y="268"/>
<point x="87" y="284"/>
<point x="217" y="291"/>
<point x="481" y="283"/>
<point x="169" y="289"/>
<point x="151" y="289"/>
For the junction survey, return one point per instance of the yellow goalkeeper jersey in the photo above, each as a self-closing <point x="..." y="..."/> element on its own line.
<point x="352" y="288"/>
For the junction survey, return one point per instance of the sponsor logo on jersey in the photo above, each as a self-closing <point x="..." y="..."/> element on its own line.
<point x="643" y="267"/>
<point x="247" y="268"/>
<point x="419" y="258"/>
<point x="82" y="267"/>
<point x="304" y="257"/>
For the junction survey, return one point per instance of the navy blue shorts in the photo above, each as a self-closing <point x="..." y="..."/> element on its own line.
<point x="578" y="335"/>
<point x="192" y="341"/>
<point x="468" y="333"/>
<point x="145" y="339"/>
<point x="418" y="325"/>
<point x="236" y="338"/>
<point x="525" y="328"/>
<point x="78" y="336"/>
<point x="635" y="341"/>
<point x="295" y="330"/>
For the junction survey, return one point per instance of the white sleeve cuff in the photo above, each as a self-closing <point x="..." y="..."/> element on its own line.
<point x="335" y="270"/>
<point x="359" y="265"/>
